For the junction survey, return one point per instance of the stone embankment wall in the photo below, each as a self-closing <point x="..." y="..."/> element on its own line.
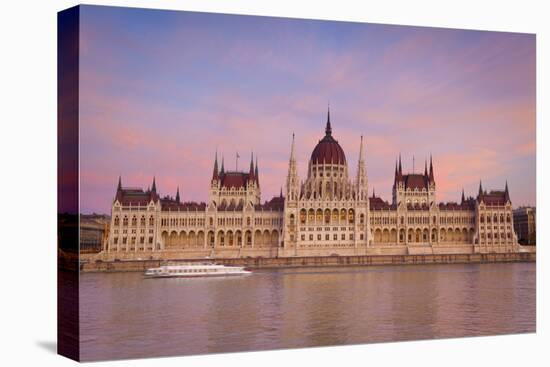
<point x="285" y="262"/>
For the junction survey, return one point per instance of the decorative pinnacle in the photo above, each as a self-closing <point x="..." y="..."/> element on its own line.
<point x="328" y="128"/>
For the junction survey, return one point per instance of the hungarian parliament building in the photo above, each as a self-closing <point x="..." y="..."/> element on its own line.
<point x="330" y="213"/>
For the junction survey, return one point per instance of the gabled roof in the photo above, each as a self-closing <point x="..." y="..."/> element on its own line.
<point x="234" y="179"/>
<point x="376" y="203"/>
<point x="468" y="204"/>
<point x="169" y="204"/>
<point x="135" y="196"/>
<point x="277" y="203"/>
<point x="415" y="181"/>
<point x="493" y="198"/>
<point x="418" y="206"/>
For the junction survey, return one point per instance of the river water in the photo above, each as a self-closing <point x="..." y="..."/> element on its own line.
<point x="123" y="315"/>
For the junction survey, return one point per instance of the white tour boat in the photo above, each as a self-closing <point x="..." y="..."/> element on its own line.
<point x="194" y="270"/>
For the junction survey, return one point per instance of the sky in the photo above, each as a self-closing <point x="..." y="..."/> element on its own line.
<point x="162" y="91"/>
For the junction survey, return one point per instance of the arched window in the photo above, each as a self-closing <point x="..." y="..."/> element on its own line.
<point x="151" y="220"/>
<point x="134" y="221"/>
<point x="142" y="221"/>
<point x="291" y="219"/>
<point x="303" y="216"/>
<point x="362" y="218"/>
<point x="125" y="221"/>
<point x="351" y="216"/>
<point x="319" y="216"/>
<point x="343" y="215"/>
<point x="117" y="220"/>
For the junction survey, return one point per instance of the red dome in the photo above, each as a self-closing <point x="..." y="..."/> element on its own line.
<point x="328" y="150"/>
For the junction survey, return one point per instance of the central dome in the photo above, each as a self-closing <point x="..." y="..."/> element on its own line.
<point x="328" y="151"/>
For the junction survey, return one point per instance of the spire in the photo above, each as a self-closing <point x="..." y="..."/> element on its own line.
<point x="178" y="195"/>
<point x="292" y="149"/>
<point x="222" y="171"/>
<point x="154" y="187"/>
<point x="251" y="169"/>
<point x="432" y="179"/>
<point x="373" y="194"/>
<point x="462" y="200"/>
<point x="362" y="172"/>
<point x="292" y="176"/>
<point x="256" y="176"/>
<point x="400" y="167"/>
<point x="281" y="193"/>
<point x="119" y="189"/>
<point x="215" y="174"/>
<point x="506" y="192"/>
<point x="425" y="168"/>
<point x="480" y="192"/>
<point x="395" y="174"/>
<point x="361" y="151"/>
<point x="328" y="128"/>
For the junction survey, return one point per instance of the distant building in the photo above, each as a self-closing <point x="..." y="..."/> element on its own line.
<point x="328" y="214"/>
<point x="94" y="230"/>
<point x="525" y="225"/>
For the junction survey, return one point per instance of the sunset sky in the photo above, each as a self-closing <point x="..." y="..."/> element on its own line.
<point x="160" y="91"/>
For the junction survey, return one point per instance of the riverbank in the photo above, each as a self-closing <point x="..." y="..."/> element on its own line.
<point x="316" y="261"/>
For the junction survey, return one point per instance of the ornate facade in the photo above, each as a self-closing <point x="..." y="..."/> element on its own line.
<point x="328" y="214"/>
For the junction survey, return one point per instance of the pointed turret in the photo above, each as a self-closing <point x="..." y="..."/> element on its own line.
<point x="251" y="168"/>
<point x="281" y="193"/>
<point x="292" y="149"/>
<point x="178" y="195"/>
<point x="400" y="171"/>
<point x="480" y="191"/>
<point x="256" y="176"/>
<point x="215" y="174"/>
<point x="362" y="173"/>
<point x="328" y="128"/>
<point x="154" y="186"/>
<point x="431" y="178"/>
<point x="395" y="174"/>
<point x="462" y="199"/>
<point x="506" y="192"/>
<point x="222" y="171"/>
<point x="292" y="188"/>
<point x="373" y="193"/>
<point x="118" y="195"/>
<point x="425" y="168"/>
<point x="361" y="151"/>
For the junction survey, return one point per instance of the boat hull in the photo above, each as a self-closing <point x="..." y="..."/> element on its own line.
<point x="197" y="275"/>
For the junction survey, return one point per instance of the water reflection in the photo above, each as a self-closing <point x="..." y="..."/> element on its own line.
<point x="124" y="315"/>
